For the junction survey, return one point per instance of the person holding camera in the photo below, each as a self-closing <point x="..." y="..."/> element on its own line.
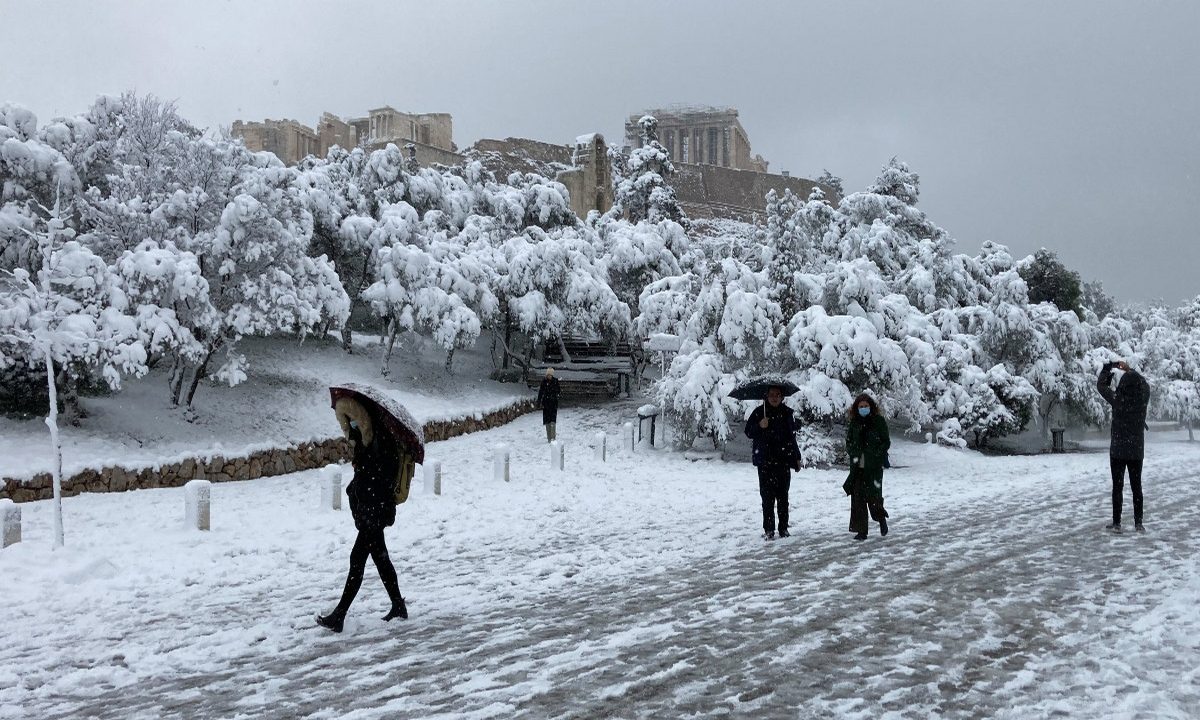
<point x="1127" y="447"/>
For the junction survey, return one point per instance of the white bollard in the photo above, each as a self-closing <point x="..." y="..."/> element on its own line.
<point x="601" y="446"/>
<point x="630" y="438"/>
<point x="197" y="495"/>
<point x="433" y="477"/>
<point x="500" y="463"/>
<point x="557" y="449"/>
<point x="331" y="487"/>
<point x="10" y="523"/>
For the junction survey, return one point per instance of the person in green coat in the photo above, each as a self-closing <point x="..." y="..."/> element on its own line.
<point x="867" y="443"/>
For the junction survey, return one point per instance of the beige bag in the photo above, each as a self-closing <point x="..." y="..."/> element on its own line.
<point x="404" y="476"/>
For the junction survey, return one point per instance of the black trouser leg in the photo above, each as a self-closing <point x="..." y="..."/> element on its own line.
<point x="766" y="492"/>
<point x="1135" y="486"/>
<point x="878" y="513"/>
<point x="358" y="564"/>
<point x="858" y="513"/>
<point x="1118" y="486"/>
<point x="783" y="483"/>
<point x="387" y="571"/>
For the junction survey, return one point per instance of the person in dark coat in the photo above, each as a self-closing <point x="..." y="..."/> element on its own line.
<point x="547" y="400"/>
<point x="772" y="426"/>
<point x="1127" y="448"/>
<point x="376" y="462"/>
<point x="867" y="443"/>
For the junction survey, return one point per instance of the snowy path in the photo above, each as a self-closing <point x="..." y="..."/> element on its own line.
<point x="643" y="591"/>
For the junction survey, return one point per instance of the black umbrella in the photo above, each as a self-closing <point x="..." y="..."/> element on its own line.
<point x="756" y="388"/>
<point x="397" y="420"/>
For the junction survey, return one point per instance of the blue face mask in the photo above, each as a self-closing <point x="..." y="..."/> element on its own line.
<point x="863" y="412"/>
<point x="353" y="424"/>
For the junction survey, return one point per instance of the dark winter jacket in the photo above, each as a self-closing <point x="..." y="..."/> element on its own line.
<point x="1129" y="403"/>
<point x="776" y="443"/>
<point x="548" y="399"/>
<point x="372" y="491"/>
<point x="867" y="439"/>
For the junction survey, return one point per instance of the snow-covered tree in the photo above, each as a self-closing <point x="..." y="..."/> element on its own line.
<point x="636" y="255"/>
<point x="1170" y="357"/>
<point x="729" y="328"/>
<point x="642" y="192"/>
<point x="72" y="317"/>
<point x="261" y="279"/>
<point x="552" y="284"/>
<point x="169" y="298"/>
<point x="419" y="287"/>
<point x="1050" y="281"/>
<point x="831" y="181"/>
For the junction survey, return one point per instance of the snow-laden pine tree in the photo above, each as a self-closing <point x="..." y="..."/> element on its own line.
<point x="642" y="192"/>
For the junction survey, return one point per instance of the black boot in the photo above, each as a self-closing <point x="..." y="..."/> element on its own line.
<point x="861" y="536"/>
<point x="333" y="621"/>
<point x="399" y="610"/>
<point x="883" y="528"/>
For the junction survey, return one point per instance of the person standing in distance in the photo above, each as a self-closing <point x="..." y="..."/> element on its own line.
<point x="772" y="426"/>
<point x="547" y="400"/>
<point x="1127" y="448"/>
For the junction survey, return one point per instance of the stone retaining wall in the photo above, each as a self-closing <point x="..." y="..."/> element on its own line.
<point x="264" y="463"/>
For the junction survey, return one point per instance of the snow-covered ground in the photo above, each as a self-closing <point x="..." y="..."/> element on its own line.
<point x="636" y="588"/>
<point x="284" y="400"/>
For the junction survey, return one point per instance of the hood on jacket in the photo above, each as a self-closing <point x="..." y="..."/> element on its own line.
<point x="348" y="409"/>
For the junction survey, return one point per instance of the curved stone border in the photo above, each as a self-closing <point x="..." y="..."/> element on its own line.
<point x="218" y="468"/>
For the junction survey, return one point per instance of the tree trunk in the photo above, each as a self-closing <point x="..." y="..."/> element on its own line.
<point x="72" y="411"/>
<point x="1045" y="418"/>
<point x="450" y="362"/>
<point x="387" y="348"/>
<point x="347" y="340"/>
<point x="175" y="381"/>
<point x="507" y="336"/>
<point x="200" y="374"/>
<point x="56" y="468"/>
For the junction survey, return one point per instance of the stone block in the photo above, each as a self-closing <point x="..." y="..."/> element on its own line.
<point x="10" y="523"/>
<point x="197" y="504"/>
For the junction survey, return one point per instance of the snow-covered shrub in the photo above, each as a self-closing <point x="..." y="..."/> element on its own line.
<point x="819" y="448"/>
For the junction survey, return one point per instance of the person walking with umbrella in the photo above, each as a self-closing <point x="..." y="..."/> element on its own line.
<point x="772" y="426"/>
<point x="547" y="400"/>
<point x="867" y="443"/>
<point x="379" y="462"/>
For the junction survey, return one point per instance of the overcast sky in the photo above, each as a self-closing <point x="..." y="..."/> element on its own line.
<point x="1069" y="125"/>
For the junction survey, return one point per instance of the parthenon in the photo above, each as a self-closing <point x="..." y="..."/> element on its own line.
<point x="700" y="135"/>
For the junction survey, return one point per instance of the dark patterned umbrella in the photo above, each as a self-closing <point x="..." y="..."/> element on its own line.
<point x="756" y="388"/>
<point x="400" y="424"/>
